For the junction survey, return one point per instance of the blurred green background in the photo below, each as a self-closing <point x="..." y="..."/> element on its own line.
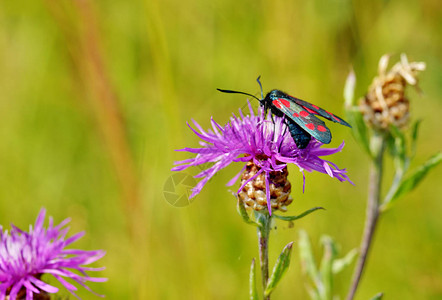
<point x="94" y="98"/>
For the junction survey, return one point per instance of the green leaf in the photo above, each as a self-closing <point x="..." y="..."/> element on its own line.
<point x="402" y="162"/>
<point x="415" y="178"/>
<point x="378" y="296"/>
<point x="340" y="264"/>
<point x="262" y="219"/>
<point x="292" y="218"/>
<point x="244" y="214"/>
<point x="328" y="257"/>
<point x="306" y="255"/>
<point x="359" y="128"/>
<point x="280" y="268"/>
<point x="414" y="136"/>
<point x="398" y="147"/>
<point x="397" y="181"/>
<point x="253" y="292"/>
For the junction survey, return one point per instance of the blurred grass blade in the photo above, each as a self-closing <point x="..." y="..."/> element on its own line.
<point x="253" y="292"/>
<point x="306" y="255"/>
<point x="280" y="268"/>
<point x="414" y="136"/>
<point x="378" y="296"/>
<point x="292" y="218"/>
<point x="340" y="264"/>
<point x="414" y="179"/>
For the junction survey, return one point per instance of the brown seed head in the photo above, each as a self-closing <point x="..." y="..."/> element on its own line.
<point x="254" y="192"/>
<point x="385" y="103"/>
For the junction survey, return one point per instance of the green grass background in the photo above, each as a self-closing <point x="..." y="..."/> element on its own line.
<point x="94" y="141"/>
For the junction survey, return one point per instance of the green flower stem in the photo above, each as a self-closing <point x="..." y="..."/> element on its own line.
<point x="264" y="221"/>
<point x="373" y="212"/>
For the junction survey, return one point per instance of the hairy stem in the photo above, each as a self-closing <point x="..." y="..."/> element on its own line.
<point x="263" y="243"/>
<point x="373" y="212"/>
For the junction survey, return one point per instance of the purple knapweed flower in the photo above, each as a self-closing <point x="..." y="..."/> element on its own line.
<point x="26" y="256"/>
<point x="257" y="139"/>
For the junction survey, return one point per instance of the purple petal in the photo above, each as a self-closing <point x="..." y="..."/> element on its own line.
<point x="42" y="251"/>
<point x="248" y="180"/>
<point x="42" y="286"/>
<point x="303" y="182"/>
<point x="269" y="205"/>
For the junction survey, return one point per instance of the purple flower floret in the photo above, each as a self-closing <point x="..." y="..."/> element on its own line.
<point x="255" y="137"/>
<point x="26" y="256"/>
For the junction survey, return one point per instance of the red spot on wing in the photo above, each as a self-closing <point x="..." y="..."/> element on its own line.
<point x="284" y="102"/>
<point x="296" y="115"/>
<point x="315" y="106"/>
<point x="276" y="103"/>
<point x="322" y="128"/>
<point x="310" y="111"/>
<point x="310" y="126"/>
<point x="303" y="113"/>
<point x="333" y="116"/>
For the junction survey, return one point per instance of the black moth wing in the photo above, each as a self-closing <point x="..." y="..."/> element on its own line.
<point x="319" y="111"/>
<point x="299" y="135"/>
<point x="305" y="119"/>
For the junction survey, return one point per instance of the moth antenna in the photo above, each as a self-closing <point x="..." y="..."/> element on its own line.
<point x="237" y="92"/>
<point x="260" y="85"/>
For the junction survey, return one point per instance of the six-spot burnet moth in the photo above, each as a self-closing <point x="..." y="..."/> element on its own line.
<point x="300" y="116"/>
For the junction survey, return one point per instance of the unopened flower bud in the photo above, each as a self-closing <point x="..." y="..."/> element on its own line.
<point x="385" y="103"/>
<point x="253" y="193"/>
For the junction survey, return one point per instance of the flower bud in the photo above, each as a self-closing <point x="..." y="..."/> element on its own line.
<point x="253" y="193"/>
<point x="385" y="103"/>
